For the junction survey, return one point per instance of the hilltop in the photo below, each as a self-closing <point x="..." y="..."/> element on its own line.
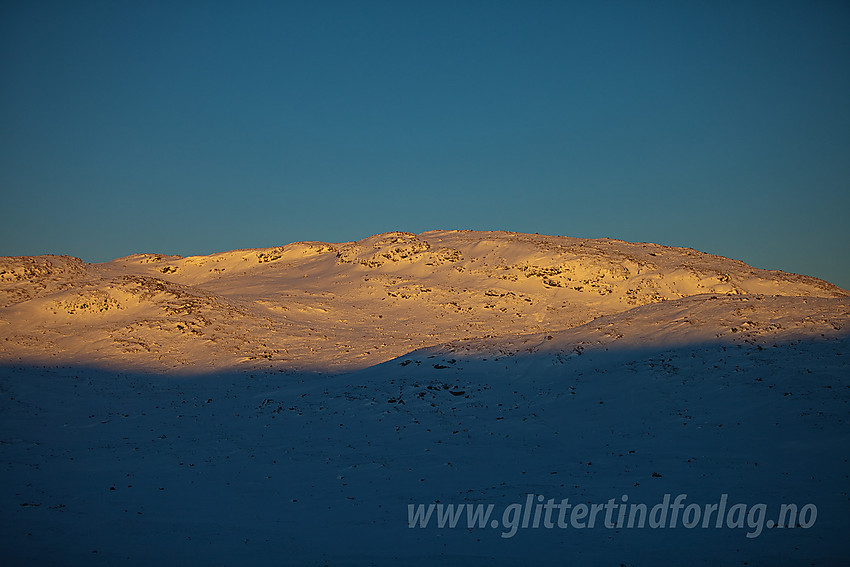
<point x="335" y="307"/>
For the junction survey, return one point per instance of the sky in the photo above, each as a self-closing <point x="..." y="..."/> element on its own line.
<point x="198" y="127"/>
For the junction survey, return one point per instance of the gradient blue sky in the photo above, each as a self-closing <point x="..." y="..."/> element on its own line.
<point x="195" y="127"/>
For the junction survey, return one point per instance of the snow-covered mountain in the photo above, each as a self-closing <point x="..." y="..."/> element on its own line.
<point x="461" y="369"/>
<point x="320" y="306"/>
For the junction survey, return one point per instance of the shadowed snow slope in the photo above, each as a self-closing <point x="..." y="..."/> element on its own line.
<point x="335" y="307"/>
<point x="108" y="468"/>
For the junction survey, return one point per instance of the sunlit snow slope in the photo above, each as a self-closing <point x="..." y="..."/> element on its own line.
<point x="319" y="306"/>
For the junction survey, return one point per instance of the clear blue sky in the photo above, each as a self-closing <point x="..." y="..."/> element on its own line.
<point x="193" y="127"/>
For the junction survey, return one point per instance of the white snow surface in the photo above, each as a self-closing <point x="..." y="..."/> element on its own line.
<point x="284" y="406"/>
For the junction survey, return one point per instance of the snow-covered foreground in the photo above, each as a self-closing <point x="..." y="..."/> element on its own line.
<point x="108" y="468"/>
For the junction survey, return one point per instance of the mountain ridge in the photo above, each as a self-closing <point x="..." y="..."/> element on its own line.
<point x="340" y="306"/>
